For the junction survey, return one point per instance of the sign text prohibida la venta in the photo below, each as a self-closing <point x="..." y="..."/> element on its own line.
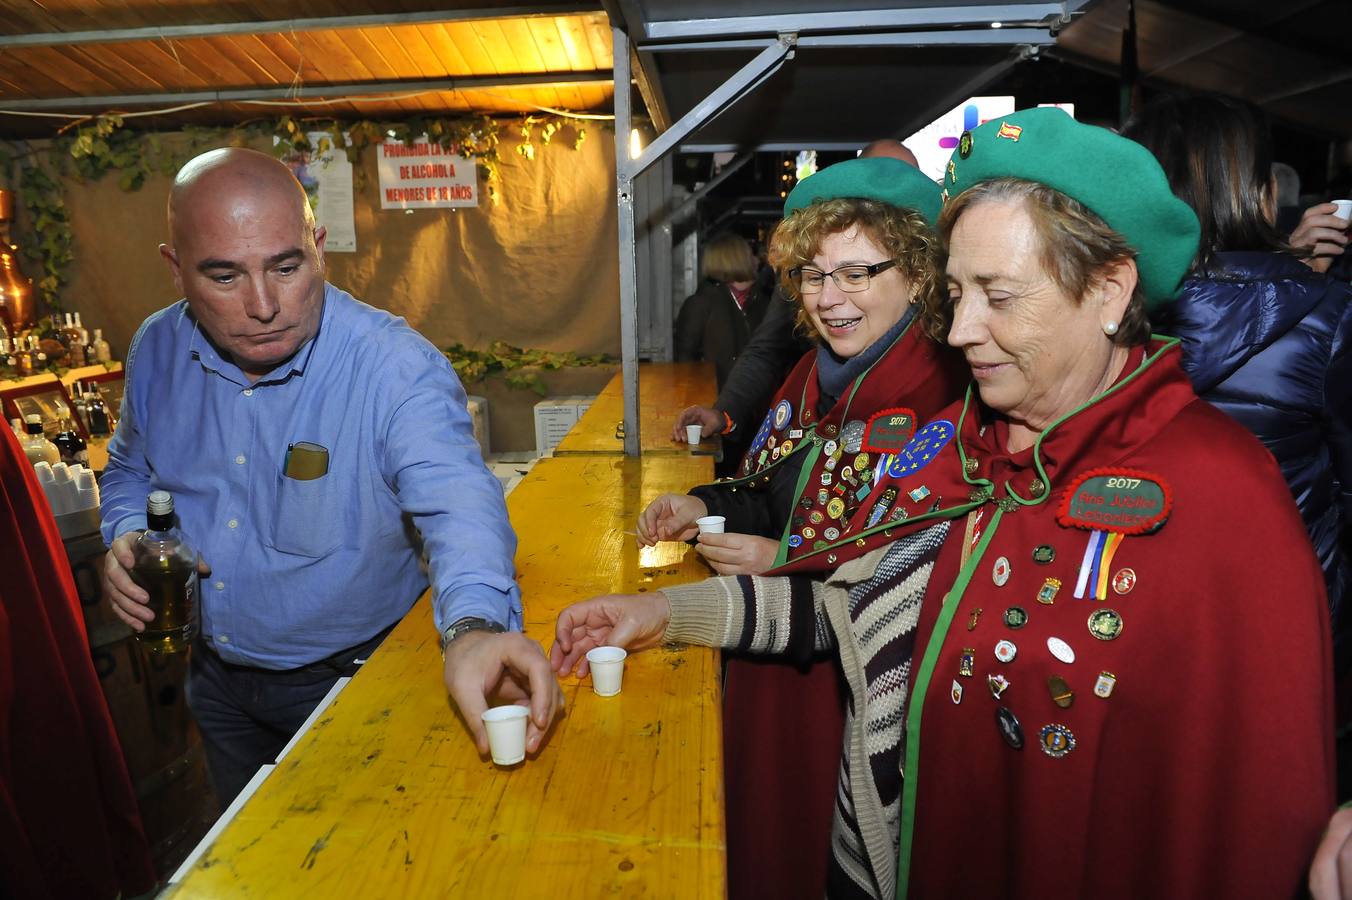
<point x="422" y="175"/>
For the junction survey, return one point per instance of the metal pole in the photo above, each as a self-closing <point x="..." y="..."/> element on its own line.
<point x="624" y="177"/>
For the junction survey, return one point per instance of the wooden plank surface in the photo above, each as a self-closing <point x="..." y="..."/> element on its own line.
<point x="386" y="796"/>
<point x="664" y="389"/>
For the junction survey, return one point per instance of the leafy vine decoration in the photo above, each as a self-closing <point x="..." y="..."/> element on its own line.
<point x="101" y="145"/>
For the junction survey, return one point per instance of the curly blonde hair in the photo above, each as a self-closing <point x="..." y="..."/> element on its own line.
<point x="901" y="233"/>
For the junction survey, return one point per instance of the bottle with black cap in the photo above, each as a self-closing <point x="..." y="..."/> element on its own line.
<point x="166" y="567"/>
<point x="35" y="444"/>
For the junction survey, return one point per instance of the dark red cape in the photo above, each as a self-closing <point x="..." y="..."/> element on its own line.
<point x="69" y="822"/>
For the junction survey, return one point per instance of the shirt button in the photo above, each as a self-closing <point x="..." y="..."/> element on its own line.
<point x="220" y="585"/>
<point x="239" y="460"/>
<point x="233" y="523"/>
<point x="223" y="638"/>
<point x="248" y="392"/>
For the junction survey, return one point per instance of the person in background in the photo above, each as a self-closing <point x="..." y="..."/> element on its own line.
<point x="69" y="824"/>
<point x="307" y="572"/>
<point x="716" y="322"/>
<point x="773" y="349"/>
<point x="857" y="254"/>
<point x="1086" y="640"/>
<point x="1286" y="180"/>
<point x="1265" y="339"/>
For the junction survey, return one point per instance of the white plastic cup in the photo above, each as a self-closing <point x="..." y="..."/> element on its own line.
<point x="506" y="733"/>
<point x="693" y="434"/>
<point x="1344" y="210"/>
<point x="607" y="670"/>
<point x="711" y="524"/>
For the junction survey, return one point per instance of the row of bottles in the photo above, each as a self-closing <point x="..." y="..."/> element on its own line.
<point x="67" y="345"/>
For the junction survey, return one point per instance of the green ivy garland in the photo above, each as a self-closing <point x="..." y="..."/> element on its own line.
<point x="103" y="145"/>
<point x="519" y="368"/>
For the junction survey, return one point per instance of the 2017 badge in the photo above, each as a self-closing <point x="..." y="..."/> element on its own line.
<point x="1122" y="501"/>
<point x="888" y="431"/>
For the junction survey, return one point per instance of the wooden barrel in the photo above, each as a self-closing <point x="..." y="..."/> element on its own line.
<point x="159" y="739"/>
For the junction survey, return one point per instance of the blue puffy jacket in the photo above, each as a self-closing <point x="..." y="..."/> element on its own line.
<point x="1266" y="339"/>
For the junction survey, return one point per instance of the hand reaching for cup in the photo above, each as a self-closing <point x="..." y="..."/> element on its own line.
<point x="710" y="421"/>
<point x="632" y="621"/>
<point x="1322" y="231"/>
<point x="671" y="517"/>
<point x="738" y="554"/>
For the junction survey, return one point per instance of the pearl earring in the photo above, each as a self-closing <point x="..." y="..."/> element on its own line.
<point x="1110" y="328"/>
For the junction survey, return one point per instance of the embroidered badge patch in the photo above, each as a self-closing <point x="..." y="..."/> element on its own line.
<point x="1122" y="501"/>
<point x="783" y="412"/>
<point x="889" y="431"/>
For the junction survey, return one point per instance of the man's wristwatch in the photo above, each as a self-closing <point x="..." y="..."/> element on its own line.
<point x="467" y="624"/>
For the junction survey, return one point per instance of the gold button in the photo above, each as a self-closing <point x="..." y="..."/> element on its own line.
<point x="887" y="532"/>
<point x="1037" y="488"/>
<point x="859" y="542"/>
<point x="970" y="465"/>
<point x="831" y="558"/>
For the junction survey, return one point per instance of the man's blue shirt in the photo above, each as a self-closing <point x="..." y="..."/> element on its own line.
<point x="304" y="569"/>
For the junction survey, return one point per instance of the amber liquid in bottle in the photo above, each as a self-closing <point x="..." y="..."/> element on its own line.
<point x="166" y="567"/>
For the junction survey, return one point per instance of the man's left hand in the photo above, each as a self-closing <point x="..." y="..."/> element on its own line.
<point x="482" y="666"/>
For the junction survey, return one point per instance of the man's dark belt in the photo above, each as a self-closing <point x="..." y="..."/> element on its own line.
<point x="341" y="664"/>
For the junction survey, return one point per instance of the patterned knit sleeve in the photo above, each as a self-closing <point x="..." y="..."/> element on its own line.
<point x="752" y="613"/>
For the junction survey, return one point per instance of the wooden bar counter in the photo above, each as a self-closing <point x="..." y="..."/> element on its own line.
<point x="386" y="796"/>
<point x="665" y="389"/>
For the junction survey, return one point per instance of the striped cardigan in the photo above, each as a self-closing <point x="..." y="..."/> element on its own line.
<point x="867" y="611"/>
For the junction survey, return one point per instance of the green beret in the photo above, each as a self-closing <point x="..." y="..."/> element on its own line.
<point x="875" y="178"/>
<point x="1117" y="178"/>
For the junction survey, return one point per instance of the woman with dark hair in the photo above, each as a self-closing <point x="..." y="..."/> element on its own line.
<point x="1265" y="339"/>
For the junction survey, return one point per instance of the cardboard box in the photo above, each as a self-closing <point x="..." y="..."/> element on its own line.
<point x="554" y="418"/>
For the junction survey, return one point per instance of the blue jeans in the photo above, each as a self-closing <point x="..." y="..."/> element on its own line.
<point x="247" y="715"/>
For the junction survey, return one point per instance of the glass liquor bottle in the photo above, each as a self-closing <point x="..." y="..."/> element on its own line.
<point x="166" y="567"/>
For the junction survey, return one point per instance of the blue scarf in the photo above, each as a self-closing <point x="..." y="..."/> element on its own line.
<point x="835" y="374"/>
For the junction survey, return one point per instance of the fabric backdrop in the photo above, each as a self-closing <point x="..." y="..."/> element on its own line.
<point x="538" y="269"/>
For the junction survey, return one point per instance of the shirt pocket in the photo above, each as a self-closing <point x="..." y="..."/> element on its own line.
<point x="309" y="517"/>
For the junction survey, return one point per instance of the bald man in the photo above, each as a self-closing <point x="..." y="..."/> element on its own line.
<point x="890" y="147"/>
<point x="315" y="448"/>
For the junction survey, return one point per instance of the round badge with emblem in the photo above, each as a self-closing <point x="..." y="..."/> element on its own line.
<point x="1105" y="624"/>
<point x="786" y="448"/>
<point x="809" y="532"/>
<point x="795" y="540"/>
<point x="783" y="412"/>
<point x="1009" y="726"/>
<point x="1124" y="581"/>
<point x="829" y="448"/>
<point x="1005" y="651"/>
<point x="816" y="517"/>
<point x="1044" y="554"/>
<point x="1001" y="572"/>
<point x="1016" y="617"/>
<point x="836" y="508"/>
<point x="1056" y="740"/>
<point x="861" y="462"/>
<point x="831" y="533"/>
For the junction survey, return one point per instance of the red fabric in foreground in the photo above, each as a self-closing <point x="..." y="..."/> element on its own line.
<point x="782" y="733"/>
<point x="69" y="823"/>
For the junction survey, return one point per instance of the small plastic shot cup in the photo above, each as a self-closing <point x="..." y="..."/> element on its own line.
<point x="1344" y="210"/>
<point x="506" y="733"/>
<point x="607" y="670"/>
<point x="693" y="433"/>
<point x="710" y="524"/>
